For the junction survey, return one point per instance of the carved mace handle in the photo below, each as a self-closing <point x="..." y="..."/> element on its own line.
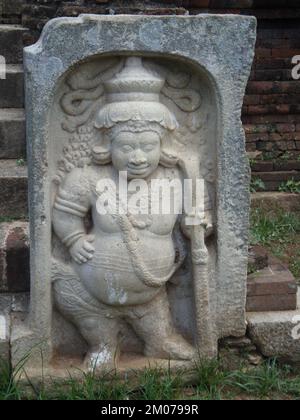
<point x="205" y="320"/>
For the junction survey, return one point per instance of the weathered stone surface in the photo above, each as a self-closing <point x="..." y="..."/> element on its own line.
<point x="14" y="257"/>
<point x="276" y="334"/>
<point x="12" y="134"/>
<point x="4" y="337"/>
<point x="10" y="7"/>
<point x="274" y="201"/>
<point x="10" y="305"/>
<point x="13" y="190"/>
<point x="12" y="88"/>
<point x="5" y="309"/>
<point x="11" y="43"/>
<point x="272" y="289"/>
<point x="271" y="303"/>
<point x="188" y="94"/>
<point x="258" y="259"/>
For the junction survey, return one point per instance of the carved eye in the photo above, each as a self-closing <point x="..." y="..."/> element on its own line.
<point x="127" y="148"/>
<point x="148" y="147"/>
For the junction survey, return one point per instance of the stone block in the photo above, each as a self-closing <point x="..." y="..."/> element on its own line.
<point x="12" y="134"/>
<point x="12" y="88"/>
<point x="144" y="93"/>
<point x="272" y="289"/>
<point x="258" y="259"/>
<point x="13" y="190"/>
<point x="274" y="201"/>
<point x="276" y="334"/>
<point x="11" y="43"/>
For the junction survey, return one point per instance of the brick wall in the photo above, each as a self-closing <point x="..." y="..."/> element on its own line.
<point x="271" y="112"/>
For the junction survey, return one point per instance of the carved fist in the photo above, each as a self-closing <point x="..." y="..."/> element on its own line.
<point x="208" y="223"/>
<point x="82" y="251"/>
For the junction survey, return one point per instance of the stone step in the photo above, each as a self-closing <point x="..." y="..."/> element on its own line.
<point x="12" y="88"/>
<point x="13" y="190"/>
<point x="11" y="43"/>
<point x="274" y="180"/>
<point x="274" y="201"/>
<point x="12" y="133"/>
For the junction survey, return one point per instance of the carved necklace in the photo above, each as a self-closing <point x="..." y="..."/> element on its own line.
<point x="139" y="224"/>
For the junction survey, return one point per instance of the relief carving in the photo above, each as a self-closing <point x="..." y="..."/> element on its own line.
<point x="118" y="266"/>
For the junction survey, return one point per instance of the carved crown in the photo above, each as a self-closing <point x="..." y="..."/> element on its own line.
<point x="134" y="83"/>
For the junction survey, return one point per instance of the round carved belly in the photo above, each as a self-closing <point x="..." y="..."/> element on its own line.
<point x="110" y="276"/>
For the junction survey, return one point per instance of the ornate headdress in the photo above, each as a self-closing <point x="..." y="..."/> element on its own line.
<point x="132" y="98"/>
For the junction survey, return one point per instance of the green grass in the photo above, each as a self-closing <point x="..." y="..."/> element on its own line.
<point x="290" y="186"/>
<point x="269" y="228"/>
<point x="8" y="219"/>
<point x="280" y="233"/>
<point x="257" y="184"/>
<point x="211" y="382"/>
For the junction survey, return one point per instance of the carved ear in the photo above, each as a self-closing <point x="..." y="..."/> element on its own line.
<point x="102" y="153"/>
<point x="167" y="159"/>
<point x="101" y="156"/>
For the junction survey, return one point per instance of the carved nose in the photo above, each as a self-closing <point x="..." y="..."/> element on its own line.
<point x="138" y="158"/>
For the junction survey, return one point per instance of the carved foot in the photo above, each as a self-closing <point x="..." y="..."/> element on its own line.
<point x="101" y="359"/>
<point x="174" y="347"/>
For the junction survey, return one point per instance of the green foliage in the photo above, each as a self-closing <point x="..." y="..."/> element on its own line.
<point x="90" y="387"/>
<point x="252" y="161"/>
<point x="157" y="384"/>
<point x="279" y="227"/>
<point x="212" y="382"/>
<point x="267" y="156"/>
<point x="290" y="186"/>
<point x="257" y="184"/>
<point x="267" y="379"/>
<point x="21" y="162"/>
<point x="8" y="219"/>
<point x="212" y="379"/>
<point x="286" y="156"/>
<point x="295" y="266"/>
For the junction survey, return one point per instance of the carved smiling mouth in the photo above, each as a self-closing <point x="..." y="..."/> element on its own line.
<point x="137" y="169"/>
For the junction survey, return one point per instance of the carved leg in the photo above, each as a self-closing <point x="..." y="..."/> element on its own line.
<point x="102" y="336"/>
<point x="153" y="323"/>
<point x="95" y="321"/>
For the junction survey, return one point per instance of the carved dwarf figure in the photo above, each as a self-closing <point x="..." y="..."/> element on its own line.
<point x="119" y="268"/>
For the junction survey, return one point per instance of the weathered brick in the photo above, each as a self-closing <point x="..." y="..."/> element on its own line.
<point x="273" y="87"/>
<point x="271" y="75"/>
<point x="287" y="166"/>
<point x="262" y="166"/>
<point x="265" y="146"/>
<point x="279" y="99"/>
<point x="257" y="137"/>
<point x="279" y="176"/>
<point x="285" y="128"/>
<point x="252" y="100"/>
<point x="285" y="53"/>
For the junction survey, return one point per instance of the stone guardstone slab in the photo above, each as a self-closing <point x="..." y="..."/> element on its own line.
<point x="118" y="277"/>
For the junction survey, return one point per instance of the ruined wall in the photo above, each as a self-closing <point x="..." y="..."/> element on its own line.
<point x="271" y="112"/>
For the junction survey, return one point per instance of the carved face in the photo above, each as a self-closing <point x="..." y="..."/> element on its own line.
<point x="136" y="153"/>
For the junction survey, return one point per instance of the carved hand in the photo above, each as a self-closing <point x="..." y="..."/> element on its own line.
<point x="83" y="251"/>
<point x="208" y="224"/>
